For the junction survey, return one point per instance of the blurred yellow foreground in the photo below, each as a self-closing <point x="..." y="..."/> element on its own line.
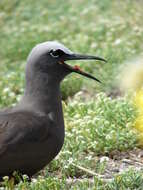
<point x="132" y="79"/>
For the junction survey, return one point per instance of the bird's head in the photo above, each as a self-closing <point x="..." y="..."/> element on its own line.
<point x="49" y="58"/>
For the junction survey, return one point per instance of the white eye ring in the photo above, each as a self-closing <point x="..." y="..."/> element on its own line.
<point x="55" y="56"/>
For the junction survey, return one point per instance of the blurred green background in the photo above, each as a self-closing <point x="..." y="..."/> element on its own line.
<point x="108" y="28"/>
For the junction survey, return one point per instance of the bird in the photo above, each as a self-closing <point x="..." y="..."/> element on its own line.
<point x="32" y="132"/>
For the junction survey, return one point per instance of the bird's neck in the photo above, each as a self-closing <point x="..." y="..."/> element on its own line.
<point x="43" y="95"/>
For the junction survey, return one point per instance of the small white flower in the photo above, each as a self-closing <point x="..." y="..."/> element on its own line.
<point x="104" y="159"/>
<point x="5" y="178"/>
<point x="70" y="161"/>
<point x="6" y="90"/>
<point x="2" y="188"/>
<point x="25" y="176"/>
<point x="34" y="180"/>
<point x="66" y="166"/>
<point x="89" y="157"/>
<point x="94" y="45"/>
<point x="11" y="94"/>
<point x="117" y="41"/>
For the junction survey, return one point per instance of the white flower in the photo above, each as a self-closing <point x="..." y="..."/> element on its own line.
<point x="5" y="178"/>
<point x="104" y="159"/>
<point x="34" y="180"/>
<point x="70" y="161"/>
<point x="117" y="41"/>
<point x="6" y="90"/>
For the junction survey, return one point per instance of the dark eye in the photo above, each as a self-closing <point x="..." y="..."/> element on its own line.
<point x="56" y="53"/>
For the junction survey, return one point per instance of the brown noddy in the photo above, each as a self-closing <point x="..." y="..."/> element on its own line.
<point x="32" y="132"/>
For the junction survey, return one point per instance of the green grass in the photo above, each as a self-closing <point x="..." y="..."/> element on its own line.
<point x="131" y="180"/>
<point x="96" y="125"/>
<point x="111" y="30"/>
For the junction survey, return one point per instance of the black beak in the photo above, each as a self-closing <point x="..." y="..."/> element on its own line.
<point x="84" y="57"/>
<point x="76" y="69"/>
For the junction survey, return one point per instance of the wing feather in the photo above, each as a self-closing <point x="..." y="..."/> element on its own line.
<point x="22" y="128"/>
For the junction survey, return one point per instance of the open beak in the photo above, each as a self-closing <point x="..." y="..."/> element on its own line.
<point x="76" y="68"/>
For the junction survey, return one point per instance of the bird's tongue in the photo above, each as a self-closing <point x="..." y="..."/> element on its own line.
<point x="76" y="67"/>
<point x="78" y="70"/>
